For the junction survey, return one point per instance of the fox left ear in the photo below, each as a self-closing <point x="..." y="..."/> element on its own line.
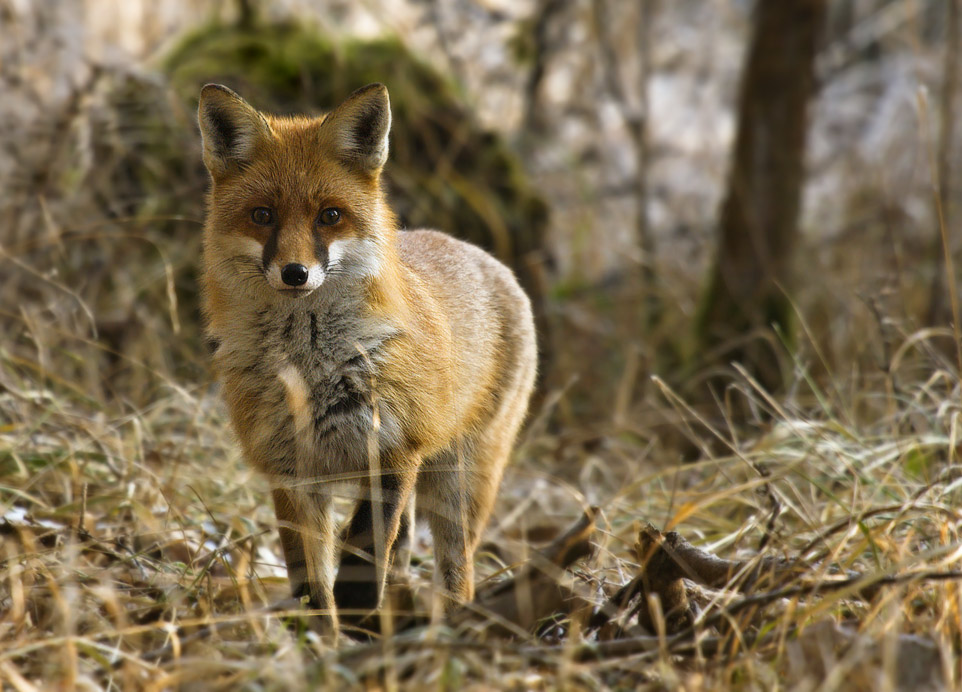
<point x="361" y="127"/>
<point x="230" y="127"/>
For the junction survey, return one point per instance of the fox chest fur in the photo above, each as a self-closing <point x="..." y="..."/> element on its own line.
<point x="300" y="384"/>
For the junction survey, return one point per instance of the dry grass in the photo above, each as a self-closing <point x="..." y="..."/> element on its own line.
<point x="138" y="551"/>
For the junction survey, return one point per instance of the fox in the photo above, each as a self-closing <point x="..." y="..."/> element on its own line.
<point x="356" y="359"/>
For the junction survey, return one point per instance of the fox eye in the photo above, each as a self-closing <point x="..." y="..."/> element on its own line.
<point x="262" y="216"/>
<point x="329" y="216"/>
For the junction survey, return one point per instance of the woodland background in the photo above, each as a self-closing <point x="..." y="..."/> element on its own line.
<point x="739" y="224"/>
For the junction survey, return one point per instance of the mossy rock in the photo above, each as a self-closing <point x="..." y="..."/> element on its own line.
<point x="444" y="171"/>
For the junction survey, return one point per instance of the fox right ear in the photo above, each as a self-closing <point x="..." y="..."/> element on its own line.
<point x="361" y="126"/>
<point x="230" y="128"/>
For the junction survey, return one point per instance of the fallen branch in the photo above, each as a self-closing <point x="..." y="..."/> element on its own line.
<point x="667" y="560"/>
<point x="513" y="607"/>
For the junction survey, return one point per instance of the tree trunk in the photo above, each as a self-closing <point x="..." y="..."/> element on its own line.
<point x="940" y="310"/>
<point x="758" y="222"/>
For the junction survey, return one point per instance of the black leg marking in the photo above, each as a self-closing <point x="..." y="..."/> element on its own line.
<point x="356" y="585"/>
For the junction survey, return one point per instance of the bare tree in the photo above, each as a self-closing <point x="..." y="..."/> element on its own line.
<point x="758" y="223"/>
<point x="545" y="13"/>
<point x="941" y="308"/>
<point x="635" y="117"/>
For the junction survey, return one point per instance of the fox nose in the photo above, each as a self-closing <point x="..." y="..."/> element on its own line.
<point x="294" y="274"/>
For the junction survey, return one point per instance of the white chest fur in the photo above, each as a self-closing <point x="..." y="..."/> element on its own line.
<point x="300" y="379"/>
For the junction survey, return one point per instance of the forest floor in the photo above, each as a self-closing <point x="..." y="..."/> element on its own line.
<point x="140" y="552"/>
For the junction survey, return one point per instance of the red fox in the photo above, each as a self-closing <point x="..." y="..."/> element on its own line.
<point x="355" y="357"/>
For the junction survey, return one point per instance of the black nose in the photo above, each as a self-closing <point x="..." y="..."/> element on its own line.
<point x="294" y="275"/>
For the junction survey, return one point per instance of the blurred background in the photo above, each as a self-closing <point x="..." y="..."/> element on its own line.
<point x="591" y="144"/>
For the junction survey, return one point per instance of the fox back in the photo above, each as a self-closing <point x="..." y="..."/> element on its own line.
<point x="355" y="358"/>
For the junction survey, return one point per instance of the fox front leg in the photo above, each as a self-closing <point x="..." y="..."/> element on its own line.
<point x="375" y="530"/>
<point x="306" y="524"/>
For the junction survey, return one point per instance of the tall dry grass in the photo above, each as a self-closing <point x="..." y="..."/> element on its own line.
<point x="140" y="552"/>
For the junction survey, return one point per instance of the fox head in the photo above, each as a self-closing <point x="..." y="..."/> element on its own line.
<point x="295" y="201"/>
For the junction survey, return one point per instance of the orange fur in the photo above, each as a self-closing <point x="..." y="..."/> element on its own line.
<point x="405" y="359"/>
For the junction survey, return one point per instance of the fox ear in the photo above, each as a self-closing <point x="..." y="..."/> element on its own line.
<point x="230" y="127"/>
<point x="361" y="126"/>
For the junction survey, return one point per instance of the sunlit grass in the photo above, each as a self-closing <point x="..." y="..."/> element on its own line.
<point x="140" y="551"/>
